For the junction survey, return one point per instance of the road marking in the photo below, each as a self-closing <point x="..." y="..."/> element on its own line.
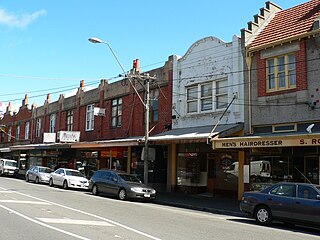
<point x="76" y="222"/>
<point x="43" y="224"/>
<point x="6" y="191"/>
<point x="24" y="202"/>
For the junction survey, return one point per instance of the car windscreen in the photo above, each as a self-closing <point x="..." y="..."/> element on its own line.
<point x="74" y="173"/>
<point x="129" y="178"/>
<point x="10" y="164"/>
<point x="45" y="170"/>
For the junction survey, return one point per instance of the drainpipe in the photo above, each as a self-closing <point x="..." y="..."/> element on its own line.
<point x="249" y="65"/>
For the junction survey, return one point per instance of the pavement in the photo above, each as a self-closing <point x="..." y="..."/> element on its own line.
<point x="200" y="202"/>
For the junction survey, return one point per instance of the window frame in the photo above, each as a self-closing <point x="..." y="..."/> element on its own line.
<point x="90" y="117"/>
<point x="52" y="125"/>
<point x="38" y="127"/>
<point x="276" y="71"/>
<point x="18" y="131"/>
<point x="116" y="112"/>
<point x="26" y="130"/>
<point x="69" y="121"/>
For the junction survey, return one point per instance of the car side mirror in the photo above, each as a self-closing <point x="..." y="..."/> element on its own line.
<point x="318" y="197"/>
<point x="62" y="174"/>
<point x="115" y="179"/>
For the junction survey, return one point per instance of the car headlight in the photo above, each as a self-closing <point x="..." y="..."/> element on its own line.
<point x="137" y="189"/>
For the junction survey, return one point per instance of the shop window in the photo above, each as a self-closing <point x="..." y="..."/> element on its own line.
<point x="281" y="73"/>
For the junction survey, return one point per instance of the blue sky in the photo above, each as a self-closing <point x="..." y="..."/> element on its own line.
<point x="44" y="45"/>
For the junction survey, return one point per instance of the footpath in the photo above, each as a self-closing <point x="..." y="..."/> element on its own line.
<point x="207" y="203"/>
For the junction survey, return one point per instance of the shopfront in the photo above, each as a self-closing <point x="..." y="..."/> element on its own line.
<point x="271" y="159"/>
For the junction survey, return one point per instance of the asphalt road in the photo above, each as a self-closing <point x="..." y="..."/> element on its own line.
<point x="37" y="212"/>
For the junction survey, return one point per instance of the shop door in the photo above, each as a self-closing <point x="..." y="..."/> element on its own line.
<point x="311" y="166"/>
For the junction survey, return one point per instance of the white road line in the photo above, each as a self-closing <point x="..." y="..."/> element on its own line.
<point x="24" y="202"/>
<point x="92" y="215"/>
<point x="76" y="222"/>
<point x="6" y="191"/>
<point x="43" y="224"/>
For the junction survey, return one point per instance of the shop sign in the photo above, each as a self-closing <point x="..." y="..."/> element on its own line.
<point x="267" y="142"/>
<point x="69" y="136"/>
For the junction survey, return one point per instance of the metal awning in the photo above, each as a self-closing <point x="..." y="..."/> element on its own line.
<point x="5" y="149"/>
<point x="40" y="146"/>
<point x="270" y="140"/>
<point x="195" y="134"/>
<point x="124" y="142"/>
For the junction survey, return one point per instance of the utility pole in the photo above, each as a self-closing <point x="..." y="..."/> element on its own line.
<point x="146" y="140"/>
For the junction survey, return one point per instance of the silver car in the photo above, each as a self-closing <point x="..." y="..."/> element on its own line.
<point x="38" y="174"/>
<point x="68" y="178"/>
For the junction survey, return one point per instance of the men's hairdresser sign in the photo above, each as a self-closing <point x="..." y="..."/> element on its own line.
<point x="260" y="142"/>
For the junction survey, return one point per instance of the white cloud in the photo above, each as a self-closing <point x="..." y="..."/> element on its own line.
<point x="20" y="21"/>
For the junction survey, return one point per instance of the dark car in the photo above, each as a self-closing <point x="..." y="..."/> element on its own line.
<point x="121" y="185"/>
<point x="294" y="203"/>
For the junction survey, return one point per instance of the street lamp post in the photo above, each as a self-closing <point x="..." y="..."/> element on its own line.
<point x="145" y="104"/>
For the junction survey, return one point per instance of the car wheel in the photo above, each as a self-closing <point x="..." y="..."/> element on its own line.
<point x="37" y="180"/>
<point x="95" y="190"/>
<point x="51" y="182"/>
<point x="122" y="194"/>
<point x="65" y="184"/>
<point x="27" y="178"/>
<point x="263" y="215"/>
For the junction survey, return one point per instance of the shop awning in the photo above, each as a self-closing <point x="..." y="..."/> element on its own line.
<point x="195" y="134"/>
<point x="41" y="146"/>
<point x="124" y="142"/>
<point x="265" y="141"/>
<point x="5" y="149"/>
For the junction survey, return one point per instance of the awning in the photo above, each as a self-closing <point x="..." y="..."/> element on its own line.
<point x="40" y="146"/>
<point x="265" y="141"/>
<point x="124" y="142"/>
<point x="195" y="134"/>
<point x="5" y="149"/>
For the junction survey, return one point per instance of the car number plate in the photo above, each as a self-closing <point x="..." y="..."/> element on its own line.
<point x="146" y="195"/>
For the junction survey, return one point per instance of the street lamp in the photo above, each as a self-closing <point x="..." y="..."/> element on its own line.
<point x="145" y="104"/>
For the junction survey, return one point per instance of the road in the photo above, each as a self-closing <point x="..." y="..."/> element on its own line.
<point x="36" y="211"/>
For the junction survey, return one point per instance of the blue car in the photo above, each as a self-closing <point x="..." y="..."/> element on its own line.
<point x="294" y="203"/>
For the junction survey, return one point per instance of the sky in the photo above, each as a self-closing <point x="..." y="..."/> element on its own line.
<point x="44" y="45"/>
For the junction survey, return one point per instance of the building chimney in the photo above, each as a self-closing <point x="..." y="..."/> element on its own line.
<point x="25" y="101"/>
<point x="136" y="66"/>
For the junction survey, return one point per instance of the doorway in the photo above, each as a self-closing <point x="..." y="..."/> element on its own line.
<point x="311" y="168"/>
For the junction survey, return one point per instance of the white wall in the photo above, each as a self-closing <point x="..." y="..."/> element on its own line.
<point x="208" y="59"/>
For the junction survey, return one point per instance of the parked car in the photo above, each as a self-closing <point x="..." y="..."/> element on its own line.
<point x="38" y="174"/>
<point x="121" y="185"/>
<point x="68" y="178"/>
<point x="8" y="167"/>
<point x="294" y="203"/>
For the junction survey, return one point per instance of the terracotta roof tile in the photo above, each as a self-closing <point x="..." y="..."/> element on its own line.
<point x="288" y="23"/>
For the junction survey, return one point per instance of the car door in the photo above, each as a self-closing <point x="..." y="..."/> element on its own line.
<point x="307" y="206"/>
<point x="281" y="200"/>
<point x="101" y="179"/>
<point x="58" y="177"/>
<point x="113" y="183"/>
<point x="30" y="174"/>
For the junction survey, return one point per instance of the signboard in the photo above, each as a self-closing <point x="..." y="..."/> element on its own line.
<point x="99" y="111"/>
<point x="49" y="137"/>
<point x="69" y="136"/>
<point x="267" y="142"/>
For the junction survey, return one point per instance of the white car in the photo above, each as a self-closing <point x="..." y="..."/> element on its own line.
<point x="68" y="178"/>
<point x="8" y="167"/>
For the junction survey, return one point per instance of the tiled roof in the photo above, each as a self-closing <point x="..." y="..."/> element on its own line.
<point x="288" y="23"/>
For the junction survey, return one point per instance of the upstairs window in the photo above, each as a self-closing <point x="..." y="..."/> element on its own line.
<point x="90" y="118"/>
<point x="207" y="97"/>
<point x="154" y="105"/>
<point x="18" y="132"/>
<point x="38" y="127"/>
<point x="70" y="120"/>
<point x="26" y="131"/>
<point x="281" y="73"/>
<point x="52" y="123"/>
<point x="116" y="112"/>
<point x="9" y="134"/>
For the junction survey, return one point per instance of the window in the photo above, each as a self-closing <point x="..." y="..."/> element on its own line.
<point x="221" y="94"/>
<point x="281" y="73"/>
<point x="26" y="131"/>
<point x="307" y="192"/>
<point x="154" y="105"/>
<point x="38" y="127"/>
<point x="90" y="118"/>
<point x="201" y="98"/>
<point x="9" y="133"/>
<point x="52" y="123"/>
<point x="285" y="190"/>
<point x="70" y="120"/>
<point x="284" y="128"/>
<point x="18" y="132"/>
<point x="116" y="112"/>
